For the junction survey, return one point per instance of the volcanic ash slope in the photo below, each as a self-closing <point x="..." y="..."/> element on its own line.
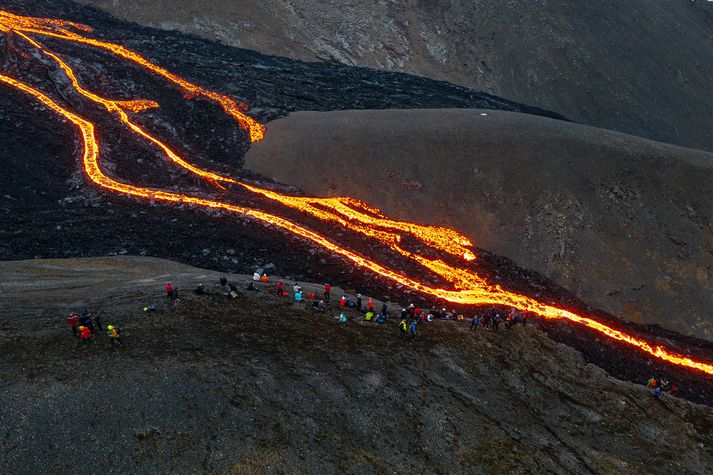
<point x="625" y="223"/>
<point x="257" y="384"/>
<point x="640" y="66"/>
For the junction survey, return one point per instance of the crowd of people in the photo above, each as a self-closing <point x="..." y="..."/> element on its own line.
<point x="87" y="326"/>
<point x="657" y="386"/>
<point x="410" y="317"/>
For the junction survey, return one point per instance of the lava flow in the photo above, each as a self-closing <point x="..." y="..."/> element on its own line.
<point x="466" y="286"/>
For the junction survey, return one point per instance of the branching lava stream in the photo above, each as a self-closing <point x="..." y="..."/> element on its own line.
<point x="466" y="286"/>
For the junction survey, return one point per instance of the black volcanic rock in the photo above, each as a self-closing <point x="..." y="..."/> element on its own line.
<point x="48" y="208"/>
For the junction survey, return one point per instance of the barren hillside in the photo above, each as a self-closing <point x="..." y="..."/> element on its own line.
<point x="640" y="67"/>
<point x="624" y="223"/>
<point x="259" y="384"/>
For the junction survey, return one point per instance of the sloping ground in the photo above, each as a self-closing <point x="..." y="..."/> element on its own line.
<point x="639" y="67"/>
<point x="624" y="223"/>
<point x="256" y="384"/>
<point x="48" y="208"/>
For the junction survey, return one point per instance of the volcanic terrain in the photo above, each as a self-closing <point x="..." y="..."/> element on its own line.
<point x="641" y="67"/>
<point x="257" y="384"/>
<point x="624" y="223"/>
<point x="121" y="139"/>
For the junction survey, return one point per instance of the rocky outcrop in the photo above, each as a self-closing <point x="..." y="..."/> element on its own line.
<point x="624" y="223"/>
<point x="639" y="67"/>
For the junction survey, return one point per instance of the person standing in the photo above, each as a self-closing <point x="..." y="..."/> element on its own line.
<point x="169" y="291"/>
<point x="358" y="302"/>
<point x="86" y="320"/>
<point x="280" y="288"/>
<point x="98" y="321"/>
<point x="114" y="336"/>
<point x="413" y="329"/>
<point x="73" y="321"/>
<point x="474" y="324"/>
<point x="327" y="292"/>
<point x="85" y="335"/>
<point x="402" y="328"/>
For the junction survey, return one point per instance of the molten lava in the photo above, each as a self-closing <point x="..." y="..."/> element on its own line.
<point x="466" y="286"/>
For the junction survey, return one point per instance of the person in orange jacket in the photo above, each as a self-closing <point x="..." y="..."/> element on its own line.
<point x="370" y="304"/>
<point x="85" y="335"/>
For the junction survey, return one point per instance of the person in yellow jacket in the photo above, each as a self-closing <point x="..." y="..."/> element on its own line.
<point x="114" y="336"/>
<point x="402" y="328"/>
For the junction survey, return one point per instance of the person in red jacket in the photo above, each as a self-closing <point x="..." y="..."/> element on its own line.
<point x="169" y="291"/>
<point x="327" y="291"/>
<point x="280" y="288"/>
<point x="343" y="301"/>
<point x="370" y="304"/>
<point x="73" y="321"/>
<point x="85" y="335"/>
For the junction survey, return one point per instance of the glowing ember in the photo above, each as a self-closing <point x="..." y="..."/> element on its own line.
<point x="467" y="287"/>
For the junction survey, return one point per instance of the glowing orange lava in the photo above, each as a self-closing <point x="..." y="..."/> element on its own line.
<point x="467" y="287"/>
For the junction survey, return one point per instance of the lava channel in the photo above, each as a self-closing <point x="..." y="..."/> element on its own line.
<point x="465" y="286"/>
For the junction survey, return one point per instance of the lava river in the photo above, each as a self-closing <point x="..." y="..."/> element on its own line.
<point x="444" y="254"/>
